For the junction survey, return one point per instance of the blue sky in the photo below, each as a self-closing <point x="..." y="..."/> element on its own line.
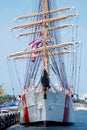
<point x="9" y="10"/>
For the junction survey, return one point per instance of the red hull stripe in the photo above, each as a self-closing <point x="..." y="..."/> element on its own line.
<point x="66" y="109"/>
<point x="26" y="115"/>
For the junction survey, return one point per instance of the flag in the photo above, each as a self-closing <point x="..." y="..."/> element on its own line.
<point x="36" y="42"/>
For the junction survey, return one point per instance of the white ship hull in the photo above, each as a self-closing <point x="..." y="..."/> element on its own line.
<point x="55" y="110"/>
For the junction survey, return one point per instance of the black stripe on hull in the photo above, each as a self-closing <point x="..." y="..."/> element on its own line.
<point x="48" y="123"/>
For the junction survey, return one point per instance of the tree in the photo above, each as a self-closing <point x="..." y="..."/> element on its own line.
<point x="1" y="89"/>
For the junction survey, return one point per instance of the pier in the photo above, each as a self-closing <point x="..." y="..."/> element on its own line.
<point x="8" y="118"/>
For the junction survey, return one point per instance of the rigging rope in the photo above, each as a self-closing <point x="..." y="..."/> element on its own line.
<point x="20" y="83"/>
<point x="57" y="62"/>
<point x="10" y="72"/>
<point x="78" y="81"/>
<point x="33" y="66"/>
<point x="58" y="59"/>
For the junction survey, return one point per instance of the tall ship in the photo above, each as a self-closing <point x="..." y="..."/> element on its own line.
<point x="47" y="93"/>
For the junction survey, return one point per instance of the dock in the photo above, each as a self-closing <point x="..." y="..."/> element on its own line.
<point x="8" y="118"/>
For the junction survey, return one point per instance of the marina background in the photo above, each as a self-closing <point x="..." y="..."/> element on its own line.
<point x="9" y="44"/>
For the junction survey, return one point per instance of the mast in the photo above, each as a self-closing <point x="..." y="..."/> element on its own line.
<point x="46" y="27"/>
<point x="46" y="34"/>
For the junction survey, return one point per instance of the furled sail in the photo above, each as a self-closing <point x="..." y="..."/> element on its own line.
<point x="48" y="12"/>
<point x="42" y="49"/>
<point x="48" y="29"/>
<point x="38" y="23"/>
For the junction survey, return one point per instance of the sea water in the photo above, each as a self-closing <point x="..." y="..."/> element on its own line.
<point x="80" y="123"/>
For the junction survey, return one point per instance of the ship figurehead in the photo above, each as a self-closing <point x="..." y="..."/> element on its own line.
<point x="45" y="81"/>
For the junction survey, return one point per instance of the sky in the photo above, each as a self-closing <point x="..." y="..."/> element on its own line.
<point x="9" y="10"/>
